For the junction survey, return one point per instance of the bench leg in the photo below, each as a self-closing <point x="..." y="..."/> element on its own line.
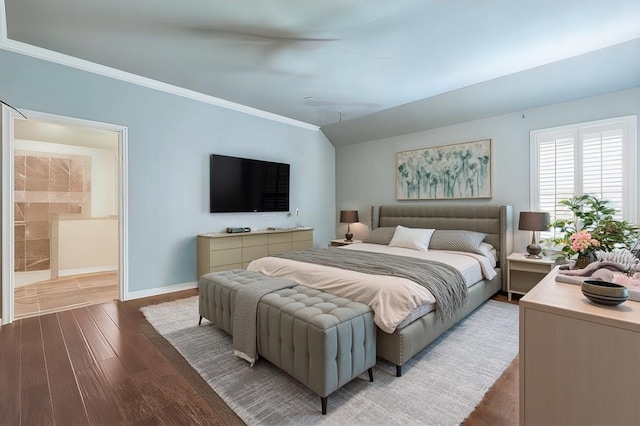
<point x="398" y="370"/>
<point x="323" y="403"/>
<point x="370" y="374"/>
<point x="200" y="322"/>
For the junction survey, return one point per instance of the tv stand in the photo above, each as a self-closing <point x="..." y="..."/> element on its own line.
<point x="222" y="251"/>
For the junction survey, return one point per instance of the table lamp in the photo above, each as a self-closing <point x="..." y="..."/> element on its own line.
<point x="348" y="217"/>
<point x="533" y="221"/>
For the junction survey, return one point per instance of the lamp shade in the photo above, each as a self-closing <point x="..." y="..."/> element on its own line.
<point x="348" y="216"/>
<point x="533" y="221"/>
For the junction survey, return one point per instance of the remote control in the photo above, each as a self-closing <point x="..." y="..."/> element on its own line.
<point x="237" y="230"/>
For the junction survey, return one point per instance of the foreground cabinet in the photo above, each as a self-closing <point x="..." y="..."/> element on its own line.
<point x="578" y="360"/>
<point x="222" y="252"/>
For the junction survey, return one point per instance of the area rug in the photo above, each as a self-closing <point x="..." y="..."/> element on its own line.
<point x="440" y="386"/>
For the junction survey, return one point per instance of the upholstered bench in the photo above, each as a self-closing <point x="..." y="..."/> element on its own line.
<point x="321" y="340"/>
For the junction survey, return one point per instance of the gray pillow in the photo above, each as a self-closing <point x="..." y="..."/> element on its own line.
<point x="457" y="240"/>
<point x="382" y="236"/>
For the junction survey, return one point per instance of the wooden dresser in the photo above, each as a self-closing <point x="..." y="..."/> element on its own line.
<point x="221" y="252"/>
<point x="579" y="361"/>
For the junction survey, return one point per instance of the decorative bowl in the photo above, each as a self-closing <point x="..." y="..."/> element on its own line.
<point x="604" y="293"/>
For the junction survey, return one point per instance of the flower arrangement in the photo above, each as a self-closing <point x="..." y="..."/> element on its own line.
<point x="582" y="241"/>
<point x="592" y="229"/>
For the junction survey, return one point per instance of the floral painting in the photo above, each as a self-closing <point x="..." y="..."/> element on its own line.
<point x="445" y="172"/>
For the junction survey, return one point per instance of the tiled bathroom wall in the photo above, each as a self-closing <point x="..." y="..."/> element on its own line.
<point x="46" y="184"/>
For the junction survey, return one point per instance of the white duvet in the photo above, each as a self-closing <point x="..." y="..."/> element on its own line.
<point x="392" y="299"/>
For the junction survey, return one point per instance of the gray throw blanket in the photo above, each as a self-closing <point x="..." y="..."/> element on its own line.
<point x="443" y="281"/>
<point x="245" y="316"/>
<point x="599" y="270"/>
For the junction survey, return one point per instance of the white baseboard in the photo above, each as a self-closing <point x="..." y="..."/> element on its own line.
<point x="91" y="270"/>
<point x="161" y="290"/>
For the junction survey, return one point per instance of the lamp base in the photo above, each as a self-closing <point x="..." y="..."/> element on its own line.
<point x="534" y="251"/>
<point x="348" y="236"/>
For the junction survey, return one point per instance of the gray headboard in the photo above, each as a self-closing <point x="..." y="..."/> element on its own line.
<point x="495" y="221"/>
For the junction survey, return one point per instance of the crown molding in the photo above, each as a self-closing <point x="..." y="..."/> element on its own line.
<point x="81" y="64"/>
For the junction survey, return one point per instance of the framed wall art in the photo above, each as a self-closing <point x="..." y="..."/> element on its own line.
<point x="445" y="172"/>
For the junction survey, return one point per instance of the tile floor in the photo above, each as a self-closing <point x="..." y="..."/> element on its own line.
<point x="65" y="293"/>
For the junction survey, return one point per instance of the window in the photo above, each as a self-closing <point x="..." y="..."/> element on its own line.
<point x="597" y="158"/>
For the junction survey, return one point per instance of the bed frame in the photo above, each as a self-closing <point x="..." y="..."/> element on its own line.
<point x="495" y="221"/>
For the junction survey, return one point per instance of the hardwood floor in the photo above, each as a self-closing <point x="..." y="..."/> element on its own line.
<point x="95" y="365"/>
<point x="65" y="293"/>
<point x="500" y="405"/>
<point x="105" y="365"/>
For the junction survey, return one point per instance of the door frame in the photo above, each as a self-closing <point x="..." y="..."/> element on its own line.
<point x="8" y="249"/>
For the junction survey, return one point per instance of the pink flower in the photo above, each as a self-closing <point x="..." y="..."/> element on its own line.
<point x="582" y="240"/>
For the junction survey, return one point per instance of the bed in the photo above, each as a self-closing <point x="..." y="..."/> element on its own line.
<point x="398" y="341"/>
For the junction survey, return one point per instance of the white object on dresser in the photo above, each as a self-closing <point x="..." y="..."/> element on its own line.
<point x="523" y="273"/>
<point x="223" y="252"/>
<point x="578" y="359"/>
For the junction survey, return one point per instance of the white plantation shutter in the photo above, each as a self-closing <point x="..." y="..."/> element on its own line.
<point x="596" y="158"/>
<point x="602" y="164"/>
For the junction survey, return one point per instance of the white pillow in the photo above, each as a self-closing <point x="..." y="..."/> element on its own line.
<point x="488" y="250"/>
<point x="412" y="238"/>
<point x="490" y="253"/>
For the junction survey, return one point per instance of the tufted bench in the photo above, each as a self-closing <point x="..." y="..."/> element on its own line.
<point x="321" y="340"/>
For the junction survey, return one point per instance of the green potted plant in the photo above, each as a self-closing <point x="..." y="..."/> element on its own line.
<point x="592" y="229"/>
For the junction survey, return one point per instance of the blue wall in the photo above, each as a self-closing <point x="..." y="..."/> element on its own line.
<point x="170" y="139"/>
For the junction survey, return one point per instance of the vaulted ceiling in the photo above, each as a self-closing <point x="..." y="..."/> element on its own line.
<point x="359" y="69"/>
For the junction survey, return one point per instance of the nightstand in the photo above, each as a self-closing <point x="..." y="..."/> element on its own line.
<point x="524" y="273"/>
<point x="343" y="242"/>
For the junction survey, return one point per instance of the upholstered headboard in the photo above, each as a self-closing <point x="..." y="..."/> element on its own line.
<point x="495" y="221"/>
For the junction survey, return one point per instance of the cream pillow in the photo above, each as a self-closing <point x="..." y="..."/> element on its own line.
<point x="488" y="250"/>
<point x="412" y="238"/>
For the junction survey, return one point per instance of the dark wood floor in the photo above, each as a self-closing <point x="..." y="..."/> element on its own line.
<point x="105" y="365"/>
<point x="500" y="403"/>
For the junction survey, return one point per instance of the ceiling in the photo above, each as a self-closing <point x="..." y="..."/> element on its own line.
<point x="360" y="69"/>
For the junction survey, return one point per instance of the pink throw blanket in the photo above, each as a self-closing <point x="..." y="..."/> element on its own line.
<point x="604" y="271"/>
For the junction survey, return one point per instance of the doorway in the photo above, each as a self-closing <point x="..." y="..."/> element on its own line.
<point x="68" y="182"/>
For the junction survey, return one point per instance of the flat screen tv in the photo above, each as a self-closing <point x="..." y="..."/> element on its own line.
<point x="246" y="185"/>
